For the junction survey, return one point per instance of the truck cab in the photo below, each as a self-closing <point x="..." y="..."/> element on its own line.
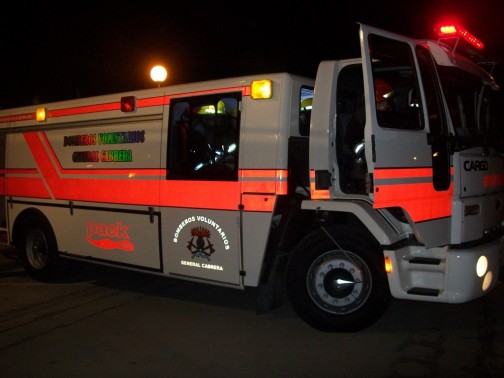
<point x="414" y="168"/>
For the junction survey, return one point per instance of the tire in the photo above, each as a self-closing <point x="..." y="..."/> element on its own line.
<point x="39" y="252"/>
<point x="337" y="289"/>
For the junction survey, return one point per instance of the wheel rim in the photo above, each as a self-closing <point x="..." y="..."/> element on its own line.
<point x="339" y="282"/>
<point x="37" y="250"/>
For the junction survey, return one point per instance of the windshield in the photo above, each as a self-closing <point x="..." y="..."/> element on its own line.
<point x="476" y="108"/>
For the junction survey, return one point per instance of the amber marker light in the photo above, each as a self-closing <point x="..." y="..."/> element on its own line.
<point x="388" y="265"/>
<point x="261" y="89"/>
<point x="41" y="114"/>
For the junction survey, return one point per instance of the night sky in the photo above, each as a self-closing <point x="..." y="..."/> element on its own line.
<point x="81" y="49"/>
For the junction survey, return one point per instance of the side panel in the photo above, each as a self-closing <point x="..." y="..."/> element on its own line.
<point x="97" y="185"/>
<point x="125" y="237"/>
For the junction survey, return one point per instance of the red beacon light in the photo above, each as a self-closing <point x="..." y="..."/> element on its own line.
<point x="456" y="31"/>
<point x="128" y="104"/>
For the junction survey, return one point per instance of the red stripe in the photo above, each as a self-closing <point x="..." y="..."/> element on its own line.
<point x="26" y="187"/>
<point x="419" y="199"/>
<point x="84" y="109"/>
<point x="153" y="101"/>
<point x="188" y="194"/>
<point x="129" y="189"/>
<point x="494" y="180"/>
<point x="116" y="105"/>
<point x="18" y="117"/>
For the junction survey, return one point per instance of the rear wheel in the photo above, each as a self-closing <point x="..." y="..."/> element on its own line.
<point x="338" y="283"/>
<point x="39" y="251"/>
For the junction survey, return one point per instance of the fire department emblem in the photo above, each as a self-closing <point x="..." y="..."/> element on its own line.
<point x="200" y="245"/>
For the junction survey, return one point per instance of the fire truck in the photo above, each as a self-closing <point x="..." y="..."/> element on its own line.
<point x="382" y="178"/>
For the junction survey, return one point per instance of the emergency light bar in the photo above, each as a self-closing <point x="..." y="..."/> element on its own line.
<point x="453" y="30"/>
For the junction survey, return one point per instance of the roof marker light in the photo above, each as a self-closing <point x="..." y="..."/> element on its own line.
<point x="261" y="89"/>
<point x="454" y="30"/>
<point x="41" y="114"/>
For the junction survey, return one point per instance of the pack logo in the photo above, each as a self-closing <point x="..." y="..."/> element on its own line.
<point x="109" y="236"/>
<point x="199" y="244"/>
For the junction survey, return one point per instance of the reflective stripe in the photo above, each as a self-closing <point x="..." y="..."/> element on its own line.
<point x="26" y="187"/>
<point x="413" y="190"/>
<point x="139" y="186"/>
<point x="264" y="180"/>
<point x="84" y="109"/>
<point x="25" y="183"/>
<point x="116" y="105"/>
<point x="495" y="180"/>
<point x="222" y="195"/>
<point x="18" y="117"/>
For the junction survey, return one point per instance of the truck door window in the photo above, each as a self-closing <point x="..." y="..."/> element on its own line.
<point x="203" y="138"/>
<point x="396" y="91"/>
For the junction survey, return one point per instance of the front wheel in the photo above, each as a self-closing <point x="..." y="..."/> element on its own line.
<point x="336" y="281"/>
<point x="39" y="252"/>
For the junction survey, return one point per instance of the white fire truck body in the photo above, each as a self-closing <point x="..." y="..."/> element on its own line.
<point x="342" y="195"/>
<point x="100" y="178"/>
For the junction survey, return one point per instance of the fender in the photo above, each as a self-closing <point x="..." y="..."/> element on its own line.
<point x="375" y="221"/>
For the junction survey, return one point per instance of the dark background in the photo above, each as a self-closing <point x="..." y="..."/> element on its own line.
<point x="60" y="51"/>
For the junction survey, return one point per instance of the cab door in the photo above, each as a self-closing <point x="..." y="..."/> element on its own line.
<point x="406" y="128"/>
